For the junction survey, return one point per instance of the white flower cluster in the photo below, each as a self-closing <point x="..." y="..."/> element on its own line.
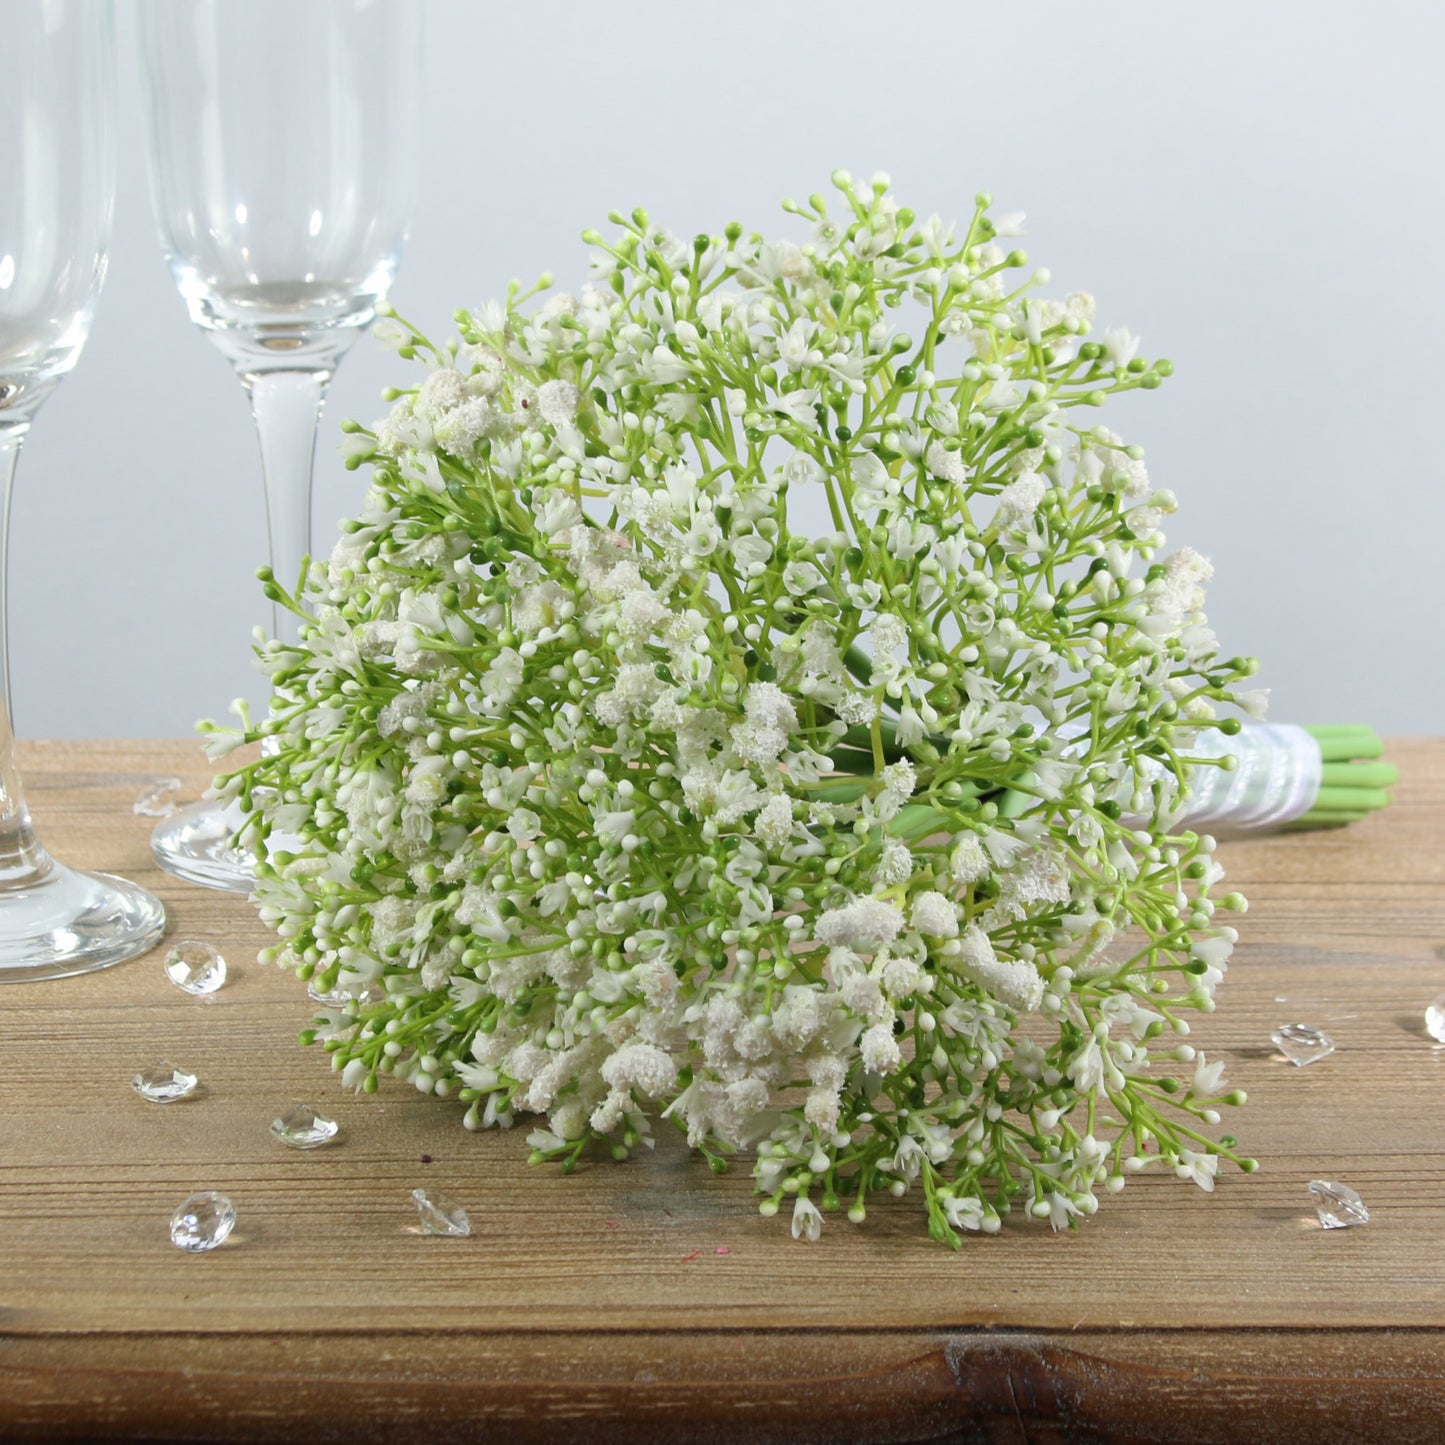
<point x="622" y="793"/>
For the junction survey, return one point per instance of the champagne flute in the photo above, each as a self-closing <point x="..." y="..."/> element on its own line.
<point x="57" y="186"/>
<point x="282" y="140"/>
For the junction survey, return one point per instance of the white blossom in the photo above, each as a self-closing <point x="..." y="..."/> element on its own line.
<point x="557" y="402"/>
<point x="864" y="924"/>
<point x="879" y="1049"/>
<point x="807" y="1221"/>
<point x="1014" y="982"/>
<point x="934" y="915"/>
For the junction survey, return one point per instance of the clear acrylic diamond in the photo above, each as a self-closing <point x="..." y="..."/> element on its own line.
<point x="158" y="800"/>
<point x="440" y="1215"/>
<point x="203" y="1221"/>
<point x="1302" y="1044"/>
<point x="301" y="1127"/>
<point x="164" y="1083"/>
<point x="353" y="997"/>
<point x="1337" y="1205"/>
<point x="195" y="967"/>
<point x="1435" y="1020"/>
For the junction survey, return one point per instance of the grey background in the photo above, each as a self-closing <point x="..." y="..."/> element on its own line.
<point x="1256" y="189"/>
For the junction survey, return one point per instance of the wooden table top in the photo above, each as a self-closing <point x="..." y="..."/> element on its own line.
<point x="649" y="1300"/>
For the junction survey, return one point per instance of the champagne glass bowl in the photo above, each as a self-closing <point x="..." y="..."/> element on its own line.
<point x="57" y="184"/>
<point x="282" y="144"/>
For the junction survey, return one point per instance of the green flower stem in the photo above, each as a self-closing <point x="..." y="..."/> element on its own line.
<point x="1351" y="799"/>
<point x="1360" y="775"/>
<point x="1327" y="818"/>
<point x="1352" y="784"/>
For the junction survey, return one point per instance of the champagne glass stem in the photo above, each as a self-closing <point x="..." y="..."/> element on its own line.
<point x="20" y="852"/>
<point x="196" y="843"/>
<point x="287" y="407"/>
<point x="10" y="439"/>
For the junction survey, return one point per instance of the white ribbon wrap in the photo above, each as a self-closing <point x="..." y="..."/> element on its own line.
<point x="1277" y="779"/>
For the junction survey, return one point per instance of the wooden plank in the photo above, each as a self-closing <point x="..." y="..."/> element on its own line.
<point x="826" y="1387"/>
<point x="574" y="1290"/>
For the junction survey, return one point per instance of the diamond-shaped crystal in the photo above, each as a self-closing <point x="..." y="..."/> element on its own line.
<point x="164" y="1083"/>
<point x="353" y="996"/>
<point x="158" y="800"/>
<point x="440" y="1215"/>
<point x="195" y="967"/>
<point x="203" y="1221"/>
<point x="1435" y="1020"/>
<point x="1337" y="1205"/>
<point x="1302" y="1044"/>
<point x="301" y="1127"/>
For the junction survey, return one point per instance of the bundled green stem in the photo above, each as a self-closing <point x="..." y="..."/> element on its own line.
<point x="1352" y="784"/>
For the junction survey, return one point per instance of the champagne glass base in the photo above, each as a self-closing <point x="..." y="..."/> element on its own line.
<point x="195" y="844"/>
<point x="59" y="922"/>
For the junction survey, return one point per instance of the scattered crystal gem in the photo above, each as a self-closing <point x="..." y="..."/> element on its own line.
<point x="158" y="800"/>
<point x="439" y="1215"/>
<point x="203" y="1221"/>
<point x="1301" y="1044"/>
<point x="301" y="1127"/>
<point x="1337" y="1205"/>
<point x="1435" y="1020"/>
<point x="164" y="1083"/>
<point x="345" y="996"/>
<point x="195" y="967"/>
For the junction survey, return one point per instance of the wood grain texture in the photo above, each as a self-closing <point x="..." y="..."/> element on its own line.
<point x="649" y="1300"/>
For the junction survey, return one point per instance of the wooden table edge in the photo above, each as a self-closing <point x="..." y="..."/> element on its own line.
<point x="839" y="1385"/>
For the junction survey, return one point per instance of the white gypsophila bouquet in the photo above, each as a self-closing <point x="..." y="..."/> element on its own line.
<point x="615" y="792"/>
